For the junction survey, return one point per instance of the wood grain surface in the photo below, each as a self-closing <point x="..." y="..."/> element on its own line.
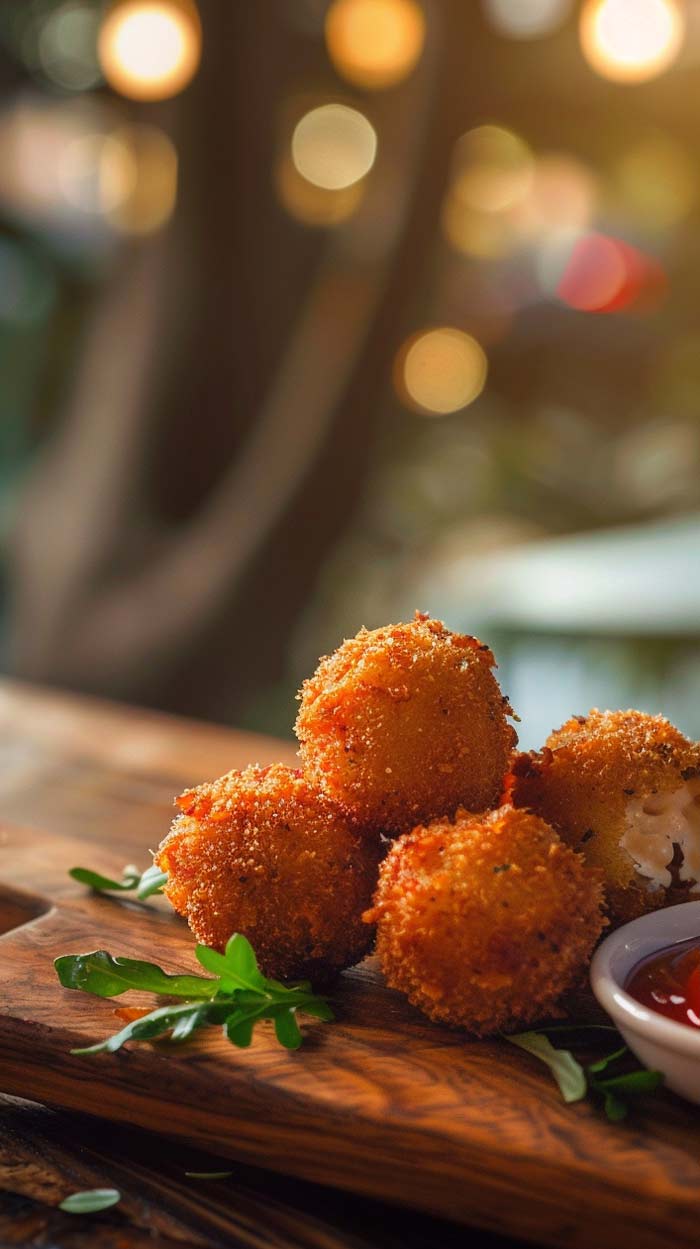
<point x="380" y="1103"/>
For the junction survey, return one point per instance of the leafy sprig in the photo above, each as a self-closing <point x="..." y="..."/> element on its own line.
<point x="236" y="997"/>
<point x="142" y="884"/>
<point x="91" y="1201"/>
<point x="617" y="1088"/>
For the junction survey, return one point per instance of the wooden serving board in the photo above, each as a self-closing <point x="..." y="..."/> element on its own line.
<point x="381" y="1102"/>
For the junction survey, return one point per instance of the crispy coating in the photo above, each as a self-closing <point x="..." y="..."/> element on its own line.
<point x="622" y="787"/>
<point x="404" y="724"/>
<point x="262" y="853"/>
<point x="487" y="921"/>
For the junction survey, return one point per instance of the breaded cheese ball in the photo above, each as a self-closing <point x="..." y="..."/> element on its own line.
<point x="622" y="787"/>
<point x="485" y="922"/>
<point x="261" y="852"/>
<point x="406" y="723"/>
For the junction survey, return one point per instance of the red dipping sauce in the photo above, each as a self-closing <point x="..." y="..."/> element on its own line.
<point x="668" y="982"/>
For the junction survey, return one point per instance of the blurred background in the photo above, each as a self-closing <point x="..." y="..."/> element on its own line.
<point x="313" y="312"/>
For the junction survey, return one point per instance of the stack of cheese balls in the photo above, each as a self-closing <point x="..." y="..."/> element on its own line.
<point x="485" y="915"/>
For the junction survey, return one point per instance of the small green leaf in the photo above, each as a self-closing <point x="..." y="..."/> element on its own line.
<point x="602" y="1063"/>
<point x="90" y="1201"/>
<point x="208" y="1175"/>
<point x="100" y="973"/>
<point x="287" y="1030"/>
<point x="567" y="1072"/>
<point x="239" y="1029"/>
<point x="615" y="1108"/>
<point x="317" y="1007"/>
<point x="143" y="884"/>
<point x="105" y="884"/>
<point x="633" y="1082"/>
<point x="237" y="967"/>
<point x="148" y="1027"/>
<point x="151" y="882"/>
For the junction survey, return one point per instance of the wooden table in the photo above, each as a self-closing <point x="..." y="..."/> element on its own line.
<point x="93" y="771"/>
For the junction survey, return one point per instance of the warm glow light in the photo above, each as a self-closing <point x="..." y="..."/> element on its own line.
<point x="97" y="173"/>
<point x="440" y="371"/>
<point x="314" y="205"/>
<point x="597" y="273"/>
<point x="658" y="182"/>
<point x="492" y="173"/>
<point x="150" y="200"/>
<point x="527" y="19"/>
<point x="375" y="43"/>
<point x="501" y="198"/>
<point x="631" y="40"/>
<point x="150" y="49"/>
<point x="562" y="197"/>
<point x="334" y="146"/>
<point x="493" y="169"/>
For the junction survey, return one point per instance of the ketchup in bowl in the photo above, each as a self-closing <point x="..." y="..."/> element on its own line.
<point x="668" y="982"/>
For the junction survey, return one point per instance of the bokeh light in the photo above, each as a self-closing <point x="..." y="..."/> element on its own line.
<point x="492" y="173"/>
<point x="334" y="146"/>
<point x="440" y="371"/>
<point x="501" y="198"/>
<point x="148" y="201"/>
<point x="97" y="172"/>
<point x="375" y="43"/>
<point x="71" y="167"/>
<point x="67" y="47"/>
<point x="631" y="40"/>
<point x="658" y="182"/>
<point x="527" y="19"/>
<point x="150" y="49"/>
<point x="493" y="169"/>
<point x="597" y="273"/>
<point x="314" y="205"/>
<point x="563" y="196"/>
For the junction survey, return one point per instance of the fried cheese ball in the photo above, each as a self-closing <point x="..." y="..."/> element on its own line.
<point x="622" y="787"/>
<point x="406" y="723"/>
<point x="262" y="853"/>
<point x="485" y="922"/>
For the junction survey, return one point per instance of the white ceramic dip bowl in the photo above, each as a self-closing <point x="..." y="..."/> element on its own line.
<point x="660" y="1043"/>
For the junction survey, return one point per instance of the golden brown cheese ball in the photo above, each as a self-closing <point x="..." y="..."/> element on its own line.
<point x="624" y="788"/>
<point x="262" y="853"/>
<point x="487" y="921"/>
<point x="406" y="723"/>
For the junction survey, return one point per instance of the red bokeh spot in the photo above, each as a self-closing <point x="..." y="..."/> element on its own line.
<point x="604" y="274"/>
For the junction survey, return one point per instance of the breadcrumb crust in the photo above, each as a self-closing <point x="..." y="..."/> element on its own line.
<point x="406" y="723"/>
<point x="486" y="922"/>
<point x="582" y="781"/>
<point x="262" y="853"/>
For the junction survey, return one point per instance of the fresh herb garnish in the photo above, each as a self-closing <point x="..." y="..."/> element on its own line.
<point x="236" y="997"/>
<point x="575" y="1080"/>
<point x="90" y="1201"/>
<point x="142" y="884"/>
<point x="208" y="1175"/>
<point x="567" y="1072"/>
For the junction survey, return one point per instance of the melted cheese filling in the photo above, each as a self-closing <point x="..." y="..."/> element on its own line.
<point x="654" y="824"/>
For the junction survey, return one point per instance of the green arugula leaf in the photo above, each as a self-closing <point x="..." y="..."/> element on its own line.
<point x="237" y="966"/>
<point x="90" y="1201"/>
<point x="208" y="1175"/>
<point x="237" y="996"/>
<point x="143" y="884"/>
<point x="575" y="1081"/>
<point x="602" y="1063"/>
<point x="567" y="1072"/>
<point x="100" y="973"/>
<point x="287" y="1029"/>
<point x="186" y="1015"/>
